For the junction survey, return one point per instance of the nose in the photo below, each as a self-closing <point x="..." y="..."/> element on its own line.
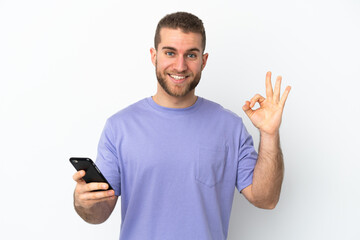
<point x="180" y="64"/>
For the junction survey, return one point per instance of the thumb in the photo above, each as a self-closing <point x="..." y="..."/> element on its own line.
<point x="247" y="109"/>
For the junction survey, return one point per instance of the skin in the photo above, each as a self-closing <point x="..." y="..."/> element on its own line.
<point x="93" y="207"/>
<point x="181" y="54"/>
<point x="264" y="192"/>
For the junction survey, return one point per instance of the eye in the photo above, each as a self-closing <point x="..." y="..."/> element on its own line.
<point x="191" y="55"/>
<point x="170" y="54"/>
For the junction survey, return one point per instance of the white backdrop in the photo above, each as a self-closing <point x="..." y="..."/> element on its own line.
<point x="66" y="66"/>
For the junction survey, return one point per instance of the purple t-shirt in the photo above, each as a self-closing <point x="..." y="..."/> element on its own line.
<point x="176" y="169"/>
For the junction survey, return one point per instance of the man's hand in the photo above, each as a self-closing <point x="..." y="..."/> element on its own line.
<point x="267" y="118"/>
<point x="264" y="192"/>
<point x="84" y="195"/>
<point x="93" y="207"/>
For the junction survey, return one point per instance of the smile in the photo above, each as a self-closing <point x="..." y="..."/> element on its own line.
<point x="177" y="77"/>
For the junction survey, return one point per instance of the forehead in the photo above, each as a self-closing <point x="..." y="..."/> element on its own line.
<point x="179" y="40"/>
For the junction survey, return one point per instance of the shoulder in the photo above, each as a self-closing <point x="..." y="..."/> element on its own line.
<point x="129" y="111"/>
<point x="219" y="111"/>
<point x="129" y="114"/>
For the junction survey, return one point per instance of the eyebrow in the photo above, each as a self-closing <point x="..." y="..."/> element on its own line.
<point x="174" y="49"/>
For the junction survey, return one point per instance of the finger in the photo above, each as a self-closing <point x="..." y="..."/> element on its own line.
<point x="277" y="88"/>
<point x="246" y="106"/>
<point x="78" y="176"/>
<point x="269" y="90"/>
<point x="97" y="195"/>
<point x="247" y="109"/>
<point x="257" y="98"/>
<point x="96" y="186"/>
<point x="285" y="95"/>
<point x="90" y="187"/>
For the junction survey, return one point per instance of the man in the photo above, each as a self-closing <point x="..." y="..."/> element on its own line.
<point x="176" y="158"/>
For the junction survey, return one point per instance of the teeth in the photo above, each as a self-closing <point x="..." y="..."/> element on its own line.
<point x="177" y="77"/>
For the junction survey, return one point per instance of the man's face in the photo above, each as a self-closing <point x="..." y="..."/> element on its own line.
<point x="178" y="61"/>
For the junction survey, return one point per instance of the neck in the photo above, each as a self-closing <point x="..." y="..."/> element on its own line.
<point x="164" y="99"/>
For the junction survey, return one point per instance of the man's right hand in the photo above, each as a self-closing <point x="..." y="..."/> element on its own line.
<point x="84" y="195"/>
<point x="93" y="207"/>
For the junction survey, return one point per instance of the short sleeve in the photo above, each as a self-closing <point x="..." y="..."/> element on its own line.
<point x="247" y="157"/>
<point x="107" y="159"/>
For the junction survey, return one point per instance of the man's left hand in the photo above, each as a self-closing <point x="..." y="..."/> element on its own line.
<point x="267" y="118"/>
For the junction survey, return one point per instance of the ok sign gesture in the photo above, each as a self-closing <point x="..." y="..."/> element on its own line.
<point x="267" y="118"/>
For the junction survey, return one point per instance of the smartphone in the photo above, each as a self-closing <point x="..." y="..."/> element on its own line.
<point x="93" y="174"/>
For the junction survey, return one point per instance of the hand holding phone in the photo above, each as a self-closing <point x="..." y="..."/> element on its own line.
<point x="92" y="187"/>
<point x="93" y="174"/>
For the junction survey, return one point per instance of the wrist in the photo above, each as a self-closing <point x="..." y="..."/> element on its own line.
<point x="270" y="135"/>
<point x="269" y="142"/>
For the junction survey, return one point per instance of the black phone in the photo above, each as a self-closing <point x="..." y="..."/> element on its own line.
<point x="93" y="174"/>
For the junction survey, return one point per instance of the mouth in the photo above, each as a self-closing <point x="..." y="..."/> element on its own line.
<point x="178" y="78"/>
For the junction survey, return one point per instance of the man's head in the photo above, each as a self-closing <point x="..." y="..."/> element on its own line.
<point x="184" y="21"/>
<point x="178" y="55"/>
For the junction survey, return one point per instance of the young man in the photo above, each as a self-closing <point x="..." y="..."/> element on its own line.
<point x="176" y="158"/>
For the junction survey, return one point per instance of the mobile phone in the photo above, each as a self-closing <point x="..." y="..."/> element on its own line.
<point x="92" y="174"/>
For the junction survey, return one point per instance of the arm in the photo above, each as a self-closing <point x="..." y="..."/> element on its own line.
<point x="264" y="192"/>
<point x="93" y="207"/>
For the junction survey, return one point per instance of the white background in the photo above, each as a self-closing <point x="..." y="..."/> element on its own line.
<point x="66" y="66"/>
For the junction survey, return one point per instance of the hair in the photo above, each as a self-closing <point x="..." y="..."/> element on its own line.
<point x="187" y="22"/>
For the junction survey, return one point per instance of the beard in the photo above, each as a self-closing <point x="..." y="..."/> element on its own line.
<point x="180" y="90"/>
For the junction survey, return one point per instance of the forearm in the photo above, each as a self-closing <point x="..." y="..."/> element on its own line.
<point x="96" y="214"/>
<point x="268" y="172"/>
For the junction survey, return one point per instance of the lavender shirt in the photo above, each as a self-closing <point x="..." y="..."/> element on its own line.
<point x="176" y="169"/>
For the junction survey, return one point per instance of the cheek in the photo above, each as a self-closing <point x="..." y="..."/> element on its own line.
<point x="162" y="65"/>
<point x="196" y="67"/>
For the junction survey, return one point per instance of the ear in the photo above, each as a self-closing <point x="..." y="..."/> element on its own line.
<point x="153" y="55"/>
<point x="204" y="60"/>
